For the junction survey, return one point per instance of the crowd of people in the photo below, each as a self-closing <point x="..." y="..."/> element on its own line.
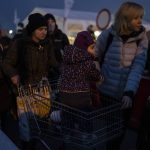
<point x="41" y="49"/>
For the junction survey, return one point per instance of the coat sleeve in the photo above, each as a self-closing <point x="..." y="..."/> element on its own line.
<point x="138" y="66"/>
<point x="65" y="40"/>
<point x="52" y="59"/>
<point x="10" y="61"/>
<point x="92" y="73"/>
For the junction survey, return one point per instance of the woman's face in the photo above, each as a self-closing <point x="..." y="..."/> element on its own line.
<point x="39" y="34"/>
<point x="135" y="24"/>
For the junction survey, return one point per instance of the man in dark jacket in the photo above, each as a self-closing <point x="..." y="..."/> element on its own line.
<point x="59" y="39"/>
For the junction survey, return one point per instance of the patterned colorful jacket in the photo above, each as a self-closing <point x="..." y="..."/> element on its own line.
<point x="77" y="70"/>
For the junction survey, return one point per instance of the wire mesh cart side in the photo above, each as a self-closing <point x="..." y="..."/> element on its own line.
<point x="86" y="129"/>
<point x="49" y="119"/>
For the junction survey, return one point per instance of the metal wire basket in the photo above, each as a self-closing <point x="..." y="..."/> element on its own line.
<point x="84" y="129"/>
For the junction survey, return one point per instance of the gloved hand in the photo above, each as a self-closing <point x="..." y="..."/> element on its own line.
<point x="56" y="116"/>
<point x="126" y="102"/>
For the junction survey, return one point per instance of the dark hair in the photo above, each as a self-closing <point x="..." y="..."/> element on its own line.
<point x="50" y="16"/>
<point x="5" y="40"/>
<point x="20" y="24"/>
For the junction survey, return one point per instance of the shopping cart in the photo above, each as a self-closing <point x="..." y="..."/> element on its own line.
<point x="73" y="127"/>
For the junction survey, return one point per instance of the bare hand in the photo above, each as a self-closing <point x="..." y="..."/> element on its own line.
<point x="15" y="80"/>
<point x="126" y="102"/>
<point x="91" y="49"/>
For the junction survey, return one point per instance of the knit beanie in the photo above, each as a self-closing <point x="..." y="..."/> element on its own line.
<point x="83" y="40"/>
<point x="35" y="21"/>
<point x="50" y="16"/>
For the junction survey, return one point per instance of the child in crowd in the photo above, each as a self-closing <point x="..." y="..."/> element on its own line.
<point x="77" y="71"/>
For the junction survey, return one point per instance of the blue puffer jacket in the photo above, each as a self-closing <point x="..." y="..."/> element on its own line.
<point x="123" y="64"/>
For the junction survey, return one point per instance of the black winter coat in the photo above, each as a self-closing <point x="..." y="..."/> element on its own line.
<point x="30" y="60"/>
<point x="60" y="40"/>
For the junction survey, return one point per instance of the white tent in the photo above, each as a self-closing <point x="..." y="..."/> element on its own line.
<point x="77" y="20"/>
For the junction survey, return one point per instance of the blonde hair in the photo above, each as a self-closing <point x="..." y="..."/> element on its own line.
<point x="125" y="14"/>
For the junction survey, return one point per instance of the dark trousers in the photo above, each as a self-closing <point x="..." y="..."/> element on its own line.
<point x="115" y="144"/>
<point x="29" y="145"/>
<point x="3" y="119"/>
<point x="80" y="100"/>
<point x="143" y="141"/>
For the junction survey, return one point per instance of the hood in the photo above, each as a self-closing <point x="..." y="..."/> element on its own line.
<point x="83" y="40"/>
<point x="74" y="55"/>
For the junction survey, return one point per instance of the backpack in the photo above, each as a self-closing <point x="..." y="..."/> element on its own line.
<point x="109" y="41"/>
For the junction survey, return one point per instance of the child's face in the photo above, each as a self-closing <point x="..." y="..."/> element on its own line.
<point x="91" y="49"/>
<point x="135" y="24"/>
